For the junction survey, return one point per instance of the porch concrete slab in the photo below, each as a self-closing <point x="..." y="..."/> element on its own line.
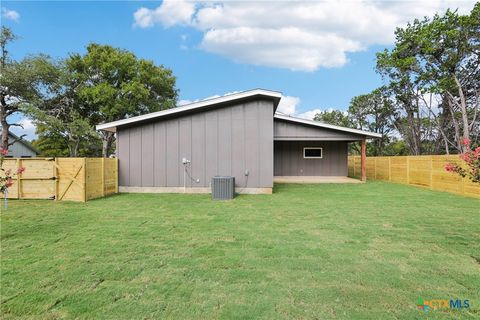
<point x="314" y="179"/>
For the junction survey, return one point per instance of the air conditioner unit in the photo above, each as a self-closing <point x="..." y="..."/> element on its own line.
<point x="223" y="188"/>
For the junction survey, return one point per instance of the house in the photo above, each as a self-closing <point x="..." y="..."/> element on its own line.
<point x="238" y="135"/>
<point x="20" y="148"/>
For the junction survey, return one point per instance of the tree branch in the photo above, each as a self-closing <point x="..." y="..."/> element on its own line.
<point x="16" y="140"/>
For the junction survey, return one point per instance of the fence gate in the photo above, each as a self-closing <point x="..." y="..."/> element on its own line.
<point x="48" y="178"/>
<point x="37" y="182"/>
<point x="70" y="178"/>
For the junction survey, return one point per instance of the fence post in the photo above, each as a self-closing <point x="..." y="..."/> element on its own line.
<point x="116" y="175"/>
<point x="431" y="173"/>
<point x="408" y="170"/>
<point x="57" y="182"/>
<point x="103" y="177"/>
<point x="462" y="185"/>
<point x="353" y="162"/>
<point x="375" y="168"/>
<point x="389" y="168"/>
<point x="19" y="179"/>
<point x="363" y="158"/>
<point x="84" y="197"/>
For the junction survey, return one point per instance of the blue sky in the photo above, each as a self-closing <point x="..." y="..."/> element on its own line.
<point x="319" y="55"/>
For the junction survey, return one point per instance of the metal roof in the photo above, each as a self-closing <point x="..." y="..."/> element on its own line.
<point x="22" y="141"/>
<point x="215" y="102"/>
<point x="203" y="104"/>
<point x="327" y="126"/>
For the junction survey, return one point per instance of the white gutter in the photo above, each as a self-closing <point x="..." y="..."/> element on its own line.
<point x="326" y="126"/>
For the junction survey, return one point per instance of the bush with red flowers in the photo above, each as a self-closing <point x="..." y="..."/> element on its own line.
<point x="472" y="161"/>
<point x="6" y="179"/>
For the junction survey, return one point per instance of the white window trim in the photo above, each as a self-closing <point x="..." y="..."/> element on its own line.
<point x="304" y="157"/>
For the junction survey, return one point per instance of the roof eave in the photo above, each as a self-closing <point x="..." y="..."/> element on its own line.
<point x="274" y="95"/>
<point x="328" y="126"/>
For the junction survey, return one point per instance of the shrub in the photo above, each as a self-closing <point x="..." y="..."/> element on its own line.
<point x="471" y="157"/>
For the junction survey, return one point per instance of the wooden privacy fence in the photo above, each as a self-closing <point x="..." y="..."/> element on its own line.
<point x="76" y="179"/>
<point x="423" y="171"/>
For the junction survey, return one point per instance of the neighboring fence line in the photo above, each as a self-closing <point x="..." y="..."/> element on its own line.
<point x="424" y="171"/>
<point x="76" y="179"/>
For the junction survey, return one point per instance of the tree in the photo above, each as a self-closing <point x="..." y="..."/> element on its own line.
<point x="335" y="117"/>
<point x="59" y="114"/>
<point x="373" y="112"/>
<point x="113" y="84"/>
<point x="438" y="56"/>
<point x="69" y="127"/>
<point x="18" y="85"/>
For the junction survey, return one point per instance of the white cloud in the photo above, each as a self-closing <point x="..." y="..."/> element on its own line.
<point x="288" y="105"/>
<point x="169" y="13"/>
<point x="10" y="14"/>
<point x="310" y="114"/>
<point x="296" y="35"/>
<point x="28" y="129"/>
<point x="306" y="51"/>
<point x="183" y="102"/>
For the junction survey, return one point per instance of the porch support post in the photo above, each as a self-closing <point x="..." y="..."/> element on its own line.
<point x="364" y="160"/>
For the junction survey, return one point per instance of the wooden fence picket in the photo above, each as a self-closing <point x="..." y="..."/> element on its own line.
<point x="76" y="179"/>
<point x="422" y="171"/>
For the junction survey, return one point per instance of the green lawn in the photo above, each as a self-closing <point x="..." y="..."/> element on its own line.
<point x="365" y="251"/>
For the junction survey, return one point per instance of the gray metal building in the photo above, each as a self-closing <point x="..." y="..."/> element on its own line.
<point x="238" y="135"/>
<point x="20" y="148"/>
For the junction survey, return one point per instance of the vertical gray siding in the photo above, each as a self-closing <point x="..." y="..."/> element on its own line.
<point x="147" y="162"/>
<point x="198" y="147"/>
<point x="285" y="130"/>
<point x="19" y="149"/>
<point x="225" y="141"/>
<point x="136" y="156"/>
<point x="159" y="150"/>
<point x="289" y="159"/>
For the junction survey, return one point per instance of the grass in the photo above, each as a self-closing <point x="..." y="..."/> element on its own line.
<point x="306" y="252"/>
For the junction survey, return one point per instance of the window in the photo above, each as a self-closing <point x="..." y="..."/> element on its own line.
<point x="312" y="153"/>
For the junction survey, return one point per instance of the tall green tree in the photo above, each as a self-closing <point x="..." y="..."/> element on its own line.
<point x="438" y="56"/>
<point x="335" y="117"/>
<point x="115" y="84"/>
<point x="19" y="84"/>
<point x="60" y="114"/>
<point x="373" y="112"/>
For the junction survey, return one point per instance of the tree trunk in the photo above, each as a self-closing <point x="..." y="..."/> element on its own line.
<point x="5" y="125"/>
<point x="447" y="152"/>
<point x="463" y="109"/>
<point x="455" y="123"/>
<point x="107" y="140"/>
<point x="73" y="147"/>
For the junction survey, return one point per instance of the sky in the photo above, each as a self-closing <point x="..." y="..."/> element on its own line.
<point x="319" y="54"/>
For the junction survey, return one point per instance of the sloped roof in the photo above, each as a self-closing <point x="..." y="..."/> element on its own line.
<point x="203" y="104"/>
<point x="23" y="141"/>
<point x="327" y="126"/>
<point x="212" y="103"/>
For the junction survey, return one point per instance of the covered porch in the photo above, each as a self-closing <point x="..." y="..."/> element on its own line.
<point x="308" y="151"/>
